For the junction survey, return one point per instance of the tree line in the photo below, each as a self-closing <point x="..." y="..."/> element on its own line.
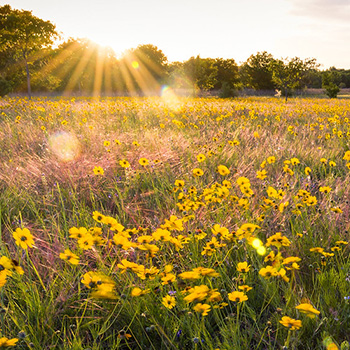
<point x="29" y="61"/>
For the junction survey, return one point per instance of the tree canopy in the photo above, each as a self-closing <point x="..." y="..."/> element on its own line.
<point x="22" y="34"/>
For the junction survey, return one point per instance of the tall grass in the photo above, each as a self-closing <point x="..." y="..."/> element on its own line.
<point x="49" y="151"/>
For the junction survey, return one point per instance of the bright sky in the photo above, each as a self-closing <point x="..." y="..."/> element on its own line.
<point x="222" y="28"/>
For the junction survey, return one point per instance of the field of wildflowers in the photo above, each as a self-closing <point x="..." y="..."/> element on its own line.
<point x="150" y="223"/>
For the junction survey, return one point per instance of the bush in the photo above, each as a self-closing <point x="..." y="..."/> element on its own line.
<point x="5" y="87"/>
<point x="227" y="91"/>
<point x="332" y="90"/>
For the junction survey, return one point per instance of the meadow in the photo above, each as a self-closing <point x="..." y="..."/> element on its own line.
<point x="174" y="223"/>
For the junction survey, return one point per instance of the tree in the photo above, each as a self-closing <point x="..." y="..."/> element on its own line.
<point x="153" y="59"/>
<point x="202" y="72"/>
<point x="24" y="34"/>
<point x="289" y="74"/>
<point x="328" y="83"/>
<point x="257" y="71"/>
<point x="227" y="78"/>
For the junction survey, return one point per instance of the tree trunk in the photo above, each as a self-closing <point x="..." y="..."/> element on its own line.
<point x="28" y="76"/>
<point x="286" y="91"/>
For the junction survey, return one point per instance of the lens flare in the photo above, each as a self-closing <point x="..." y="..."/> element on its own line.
<point x="64" y="145"/>
<point x="169" y="97"/>
<point x="135" y="65"/>
<point x="257" y="243"/>
<point x="261" y="250"/>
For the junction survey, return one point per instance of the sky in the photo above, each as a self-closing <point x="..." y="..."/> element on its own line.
<point x="222" y="28"/>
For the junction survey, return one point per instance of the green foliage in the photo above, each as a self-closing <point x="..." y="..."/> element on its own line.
<point x="328" y="83"/>
<point x="227" y="74"/>
<point x="202" y="72"/>
<point x="332" y="90"/>
<point x="227" y="90"/>
<point x="289" y="74"/>
<point x="23" y="34"/>
<point x="256" y="71"/>
<point x="5" y="86"/>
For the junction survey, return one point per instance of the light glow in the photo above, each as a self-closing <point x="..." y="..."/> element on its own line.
<point x="64" y="145"/>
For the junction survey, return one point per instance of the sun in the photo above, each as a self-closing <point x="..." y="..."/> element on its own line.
<point x="108" y="40"/>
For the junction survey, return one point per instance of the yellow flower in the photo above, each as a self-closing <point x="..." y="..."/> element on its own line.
<point x="242" y="181"/>
<point x="98" y="170"/>
<point x="237" y="297"/>
<point x="243" y="267"/>
<point x="104" y="291"/>
<point x="86" y="242"/>
<point x="291" y="323"/>
<point x="223" y="170"/>
<point x="190" y="275"/>
<point x="6" y="264"/>
<point x="152" y="249"/>
<point x="169" y="302"/>
<point x="205" y="271"/>
<point x="3" y="278"/>
<point x="6" y="343"/>
<point x="201" y="158"/>
<point x="271" y="192"/>
<point x="197" y="172"/>
<point x="24" y="238"/>
<point x="122" y="242"/>
<point x="268" y="272"/>
<point x="124" y="163"/>
<point x="70" y="257"/>
<point x="291" y="260"/>
<point x="179" y="183"/>
<point x="113" y="224"/>
<point x="136" y="292"/>
<point x="278" y="240"/>
<point x="168" y="278"/>
<point x="347" y="155"/>
<point x="202" y="309"/>
<point x="317" y="250"/>
<point x="77" y="233"/>
<point x="307" y="170"/>
<point x="245" y="288"/>
<point x="92" y="279"/>
<point x="295" y="161"/>
<point x="127" y="266"/>
<point x="308" y="309"/>
<point x="97" y="216"/>
<point x="218" y="230"/>
<point x="325" y="189"/>
<point x="143" y="161"/>
<point x="102" y="286"/>
<point x="197" y="293"/>
<point x="161" y="235"/>
<point x="261" y="174"/>
<point x="173" y="224"/>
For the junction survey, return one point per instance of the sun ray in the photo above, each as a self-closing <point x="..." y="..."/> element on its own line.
<point x="127" y="78"/>
<point x="143" y="77"/>
<point x="100" y="60"/>
<point x="84" y="60"/>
